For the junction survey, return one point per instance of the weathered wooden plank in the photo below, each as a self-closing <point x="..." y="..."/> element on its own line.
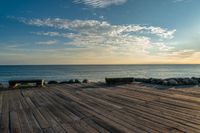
<point x="147" y="102"/>
<point x="41" y="120"/>
<point x="99" y="114"/>
<point x="164" y="94"/>
<point x="18" y="104"/>
<point x="4" y="123"/>
<point x="157" y="117"/>
<point x="30" y="103"/>
<point x="53" y="123"/>
<point x="84" y="116"/>
<point x="34" y="125"/>
<point x="184" y="105"/>
<point x="94" y="108"/>
<point x="1" y="101"/>
<point x="134" y="106"/>
<point x="5" y="105"/>
<point x="78" y="129"/>
<point x="49" y="130"/>
<point x="24" y="124"/>
<point x="78" y="124"/>
<point x="57" y="111"/>
<point x="14" y="122"/>
<point x="122" y="115"/>
<point x="68" y="128"/>
<point x="12" y="99"/>
<point x="188" y="91"/>
<point x="108" y="106"/>
<point x="23" y="102"/>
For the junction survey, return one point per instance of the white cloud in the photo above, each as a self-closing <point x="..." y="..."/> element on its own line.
<point x="101" y="17"/>
<point x="163" y="48"/>
<point x="100" y="3"/>
<point x="161" y="32"/>
<point x="175" y="1"/>
<point x="46" y="33"/>
<point x="99" y="27"/>
<point x="50" y="42"/>
<point x="118" y="39"/>
<point x="178" y="1"/>
<point x="185" y="53"/>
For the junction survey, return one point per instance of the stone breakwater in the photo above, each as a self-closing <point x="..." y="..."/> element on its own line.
<point x="169" y="81"/>
<point x="1" y="86"/>
<point x="71" y="81"/>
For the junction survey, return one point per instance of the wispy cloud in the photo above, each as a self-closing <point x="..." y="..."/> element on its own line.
<point x="115" y="39"/>
<point x="102" y="17"/>
<point x="47" y="33"/>
<point x="100" y="3"/>
<point x="177" y="1"/>
<point x="50" y="42"/>
<point x="182" y="54"/>
<point x="99" y="27"/>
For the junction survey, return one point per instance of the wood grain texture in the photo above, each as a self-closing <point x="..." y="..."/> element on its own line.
<point x="97" y="108"/>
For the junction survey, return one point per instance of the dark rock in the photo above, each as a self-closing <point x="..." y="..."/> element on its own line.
<point x="148" y="80"/>
<point x="198" y="79"/>
<point x="186" y="81"/>
<point x="179" y="81"/>
<point x="155" y="81"/>
<point x="71" y="81"/>
<point x="172" y="82"/>
<point x="164" y="82"/>
<point x="194" y="78"/>
<point x="112" y="81"/>
<point x="64" y="82"/>
<point x="140" y="80"/>
<point x="159" y="81"/>
<point x="77" y="81"/>
<point x="85" y="81"/>
<point x="145" y="80"/>
<point x="1" y="86"/>
<point x="168" y="81"/>
<point x="52" y="82"/>
<point x="194" y="82"/>
<point x="137" y="79"/>
<point x="151" y="80"/>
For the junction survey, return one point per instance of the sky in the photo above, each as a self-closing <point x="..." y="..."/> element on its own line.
<point x="99" y="32"/>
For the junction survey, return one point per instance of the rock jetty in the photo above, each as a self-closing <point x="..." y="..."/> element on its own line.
<point x="71" y="81"/>
<point x="170" y="81"/>
<point x="158" y="81"/>
<point x="1" y="86"/>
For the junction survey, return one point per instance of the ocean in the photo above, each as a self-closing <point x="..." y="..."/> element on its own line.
<point x="95" y="72"/>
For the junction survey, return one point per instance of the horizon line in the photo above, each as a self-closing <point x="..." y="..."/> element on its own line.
<point x="90" y="64"/>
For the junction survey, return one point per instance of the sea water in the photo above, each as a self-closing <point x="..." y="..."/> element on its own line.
<point x="95" y="72"/>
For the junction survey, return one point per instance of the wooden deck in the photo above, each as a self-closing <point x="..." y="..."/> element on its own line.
<point x="93" y="108"/>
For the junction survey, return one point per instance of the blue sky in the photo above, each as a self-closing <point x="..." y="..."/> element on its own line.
<point x="99" y="31"/>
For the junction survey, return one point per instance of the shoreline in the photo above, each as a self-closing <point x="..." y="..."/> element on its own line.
<point x="126" y="80"/>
